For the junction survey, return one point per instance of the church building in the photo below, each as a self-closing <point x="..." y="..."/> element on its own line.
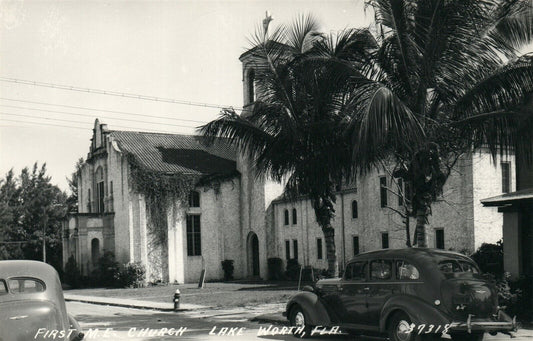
<point x="232" y="215"/>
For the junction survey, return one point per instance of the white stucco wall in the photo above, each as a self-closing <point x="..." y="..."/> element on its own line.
<point x="488" y="183"/>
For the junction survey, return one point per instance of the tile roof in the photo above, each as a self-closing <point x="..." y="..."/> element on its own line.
<point x="173" y="153"/>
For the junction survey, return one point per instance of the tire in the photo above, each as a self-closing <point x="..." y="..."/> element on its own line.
<point x="467" y="336"/>
<point x="297" y="319"/>
<point x="399" y="323"/>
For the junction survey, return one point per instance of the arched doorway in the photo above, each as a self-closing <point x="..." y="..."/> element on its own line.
<point x="95" y="251"/>
<point x="253" y="255"/>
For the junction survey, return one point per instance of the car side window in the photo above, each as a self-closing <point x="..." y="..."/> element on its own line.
<point x="380" y="269"/>
<point x="3" y="287"/>
<point x="468" y="267"/>
<point x="406" y="270"/>
<point x="356" y="271"/>
<point x="25" y="285"/>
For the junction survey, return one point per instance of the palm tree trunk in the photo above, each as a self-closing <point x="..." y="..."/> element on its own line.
<point x="329" y="235"/>
<point x="420" y="230"/>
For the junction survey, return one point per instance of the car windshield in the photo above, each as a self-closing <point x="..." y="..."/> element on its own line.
<point x="451" y="266"/>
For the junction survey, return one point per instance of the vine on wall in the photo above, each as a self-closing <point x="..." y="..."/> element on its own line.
<point x="160" y="189"/>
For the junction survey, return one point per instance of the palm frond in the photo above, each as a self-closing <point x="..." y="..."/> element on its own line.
<point x="381" y="122"/>
<point x="504" y="88"/>
<point x="238" y="131"/>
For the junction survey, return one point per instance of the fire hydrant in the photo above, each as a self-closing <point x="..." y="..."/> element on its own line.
<point x="177" y="296"/>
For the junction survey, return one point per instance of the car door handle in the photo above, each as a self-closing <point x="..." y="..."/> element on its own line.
<point x="366" y="289"/>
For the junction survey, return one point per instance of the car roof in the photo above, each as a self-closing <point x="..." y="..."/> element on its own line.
<point x="28" y="268"/>
<point x="435" y="254"/>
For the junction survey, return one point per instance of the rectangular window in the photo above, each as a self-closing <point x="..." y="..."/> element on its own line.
<point x="319" y="248"/>
<point x="439" y="239"/>
<point x="401" y="192"/>
<point x="295" y="247"/>
<point x="385" y="240"/>
<point x="356" y="271"/>
<point x="287" y="249"/>
<point x="506" y="177"/>
<point x="355" y="245"/>
<point x="380" y="270"/>
<point x="194" y="244"/>
<point x="383" y="190"/>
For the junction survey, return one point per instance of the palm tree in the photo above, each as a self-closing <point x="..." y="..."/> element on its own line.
<point x="298" y="127"/>
<point x="453" y="67"/>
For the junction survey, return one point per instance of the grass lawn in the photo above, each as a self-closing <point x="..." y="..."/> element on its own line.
<point x="213" y="295"/>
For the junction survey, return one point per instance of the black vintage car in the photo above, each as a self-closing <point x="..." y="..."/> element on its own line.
<point x="407" y="294"/>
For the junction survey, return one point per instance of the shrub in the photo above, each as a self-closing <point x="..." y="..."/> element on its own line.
<point x="72" y="273"/>
<point x="293" y="269"/>
<point x="489" y="257"/>
<point x="131" y="276"/>
<point x="107" y="269"/>
<point x="227" y="266"/>
<point x="275" y="269"/>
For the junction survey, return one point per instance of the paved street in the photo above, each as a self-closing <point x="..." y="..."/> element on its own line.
<point x="117" y="323"/>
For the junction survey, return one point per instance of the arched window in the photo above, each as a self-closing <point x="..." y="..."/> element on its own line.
<point x="355" y="214"/>
<point x="251" y="86"/>
<point x="194" y="199"/>
<point x="286" y="216"/>
<point x="95" y="251"/>
<point x="294" y="217"/>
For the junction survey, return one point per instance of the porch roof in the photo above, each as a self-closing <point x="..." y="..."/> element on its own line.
<point x="509" y="198"/>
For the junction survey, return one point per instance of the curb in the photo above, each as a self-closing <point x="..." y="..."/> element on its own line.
<point x="125" y="305"/>
<point x="269" y="318"/>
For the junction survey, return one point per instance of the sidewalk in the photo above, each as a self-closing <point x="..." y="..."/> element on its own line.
<point x="129" y="303"/>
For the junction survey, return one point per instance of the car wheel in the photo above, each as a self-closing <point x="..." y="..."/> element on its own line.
<point x="467" y="336"/>
<point x="298" y="319"/>
<point x="399" y="328"/>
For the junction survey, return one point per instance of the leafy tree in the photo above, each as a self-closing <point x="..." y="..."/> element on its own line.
<point x="72" y="200"/>
<point x="452" y="68"/>
<point x="31" y="205"/>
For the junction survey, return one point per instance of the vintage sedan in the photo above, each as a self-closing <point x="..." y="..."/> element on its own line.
<point x="407" y="294"/>
<point x="32" y="306"/>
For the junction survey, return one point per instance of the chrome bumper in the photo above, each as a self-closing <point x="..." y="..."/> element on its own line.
<point x="502" y="322"/>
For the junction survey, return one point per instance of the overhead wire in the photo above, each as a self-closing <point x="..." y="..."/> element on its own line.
<point x="116" y="93"/>
<point x="70" y="121"/>
<point x="101" y="110"/>
<point x="87" y="115"/>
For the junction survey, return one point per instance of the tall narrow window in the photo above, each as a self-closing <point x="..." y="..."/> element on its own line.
<point x="439" y="239"/>
<point x="385" y="240"/>
<point x="295" y="247"/>
<point x="319" y="248"/>
<point x="100" y="190"/>
<point x="355" y="213"/>
<point x="251" y="86"/>
<point x="194" y="199"/>
<point x="89" y="208"/>
<point x="355" y="245"/>
<point x="294" y="217"/>
<point x="287" y="249"/>
<point x="506" y="177"/>
<point x="401" y="192"/>
<point x="286" y="217"/>
<point x="383" y="190"/>
<point x="194" y="243"/>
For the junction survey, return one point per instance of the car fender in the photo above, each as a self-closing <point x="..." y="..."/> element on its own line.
<point x="312" y="306"/>
<point x="418" y="310"/>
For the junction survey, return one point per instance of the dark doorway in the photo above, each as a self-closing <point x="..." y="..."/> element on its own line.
<point x="253" y="254"/>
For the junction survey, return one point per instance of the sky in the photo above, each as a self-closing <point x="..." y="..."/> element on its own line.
<point x="181" y="50"/>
